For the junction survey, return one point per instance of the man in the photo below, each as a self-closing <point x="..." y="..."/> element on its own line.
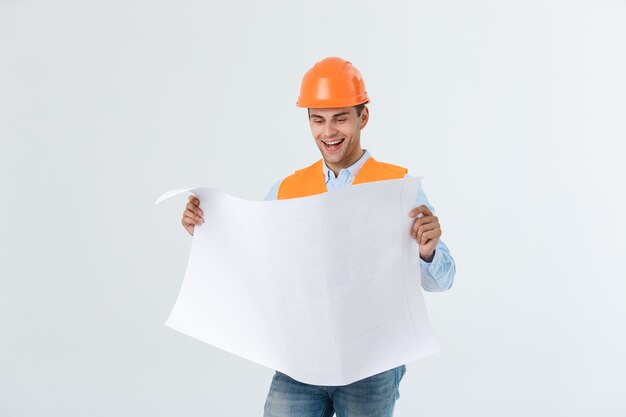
<point x="334" y="94"/>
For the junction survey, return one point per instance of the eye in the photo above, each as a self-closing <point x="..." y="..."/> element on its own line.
<point x="341" y="120"/>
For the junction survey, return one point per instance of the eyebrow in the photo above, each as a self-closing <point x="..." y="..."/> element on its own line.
<point x="334" y="115"/>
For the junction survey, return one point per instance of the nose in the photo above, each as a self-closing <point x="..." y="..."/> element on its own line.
<point x="329" y="130"/>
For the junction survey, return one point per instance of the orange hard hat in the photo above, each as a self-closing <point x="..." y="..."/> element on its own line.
<point x="332" y="82"/>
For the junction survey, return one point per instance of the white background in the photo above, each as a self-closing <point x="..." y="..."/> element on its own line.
<point x="513" y="111"/>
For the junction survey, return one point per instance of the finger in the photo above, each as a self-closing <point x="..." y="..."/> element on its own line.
<point x="429" y="235"/>
<point x="425" y="236"/>
<point x="414" y="228"/>
<point x="422" y="221"/>
<point x="193" y="199"/>
<point x="190" y="206"/>
<point x="198" y="219"/>
<point x="190" y="218"/>
<point x="416" y="225"/>
<point x="188" y="221"/>
<point x="421" y="209"/>
<point x="425" y="228"/>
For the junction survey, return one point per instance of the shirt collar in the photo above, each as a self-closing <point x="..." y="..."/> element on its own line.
<point x="352" y="170"/>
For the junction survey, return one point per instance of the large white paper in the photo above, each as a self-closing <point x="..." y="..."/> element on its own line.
<point x="325" y="289"/>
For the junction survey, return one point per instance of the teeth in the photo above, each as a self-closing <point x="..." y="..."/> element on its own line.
<point x="333" y="143"/>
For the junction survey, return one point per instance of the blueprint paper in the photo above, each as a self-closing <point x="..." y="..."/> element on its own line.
<point x="325" y="289"/>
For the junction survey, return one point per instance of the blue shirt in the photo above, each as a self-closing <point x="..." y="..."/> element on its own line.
<point x="438" y="275"/>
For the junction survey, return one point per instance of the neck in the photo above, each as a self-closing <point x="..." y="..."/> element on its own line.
<point x="335" y="168"/>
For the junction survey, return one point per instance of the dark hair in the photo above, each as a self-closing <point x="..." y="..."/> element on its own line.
<point x="359" y="109"/>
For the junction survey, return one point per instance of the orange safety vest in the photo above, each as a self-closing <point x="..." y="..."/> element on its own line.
<point x="311" y="180"/>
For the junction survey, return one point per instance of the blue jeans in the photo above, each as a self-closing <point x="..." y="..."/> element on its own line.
<point x="374" y="396"/>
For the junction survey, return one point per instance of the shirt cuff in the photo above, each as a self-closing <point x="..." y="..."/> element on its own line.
<point x="433" y="266"/>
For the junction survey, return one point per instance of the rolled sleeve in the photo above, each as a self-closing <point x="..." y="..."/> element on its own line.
<point x="438" y="275"/>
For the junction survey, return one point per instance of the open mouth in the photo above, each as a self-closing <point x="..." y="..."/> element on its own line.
<point x="332" y="145"/>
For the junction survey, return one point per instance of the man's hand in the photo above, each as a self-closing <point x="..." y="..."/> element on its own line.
<point x="426" y="231"/>
<point x="192" y="214"/>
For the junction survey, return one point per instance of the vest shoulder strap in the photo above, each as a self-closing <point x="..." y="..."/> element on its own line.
<point x="304" y="182"/>
<point x="373" y="170"/>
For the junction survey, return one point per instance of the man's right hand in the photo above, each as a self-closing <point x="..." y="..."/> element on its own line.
<point x="192" y="214"/>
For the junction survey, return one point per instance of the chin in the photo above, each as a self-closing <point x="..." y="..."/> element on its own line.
<point x="333" y="158"/>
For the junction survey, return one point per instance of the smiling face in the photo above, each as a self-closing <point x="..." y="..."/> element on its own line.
<point x="337" y="133"/>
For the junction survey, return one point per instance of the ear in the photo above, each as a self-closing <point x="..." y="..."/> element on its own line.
<point x="365" y="116"/>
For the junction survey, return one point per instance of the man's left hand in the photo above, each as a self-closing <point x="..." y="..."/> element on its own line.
<point x="426" y="231"/>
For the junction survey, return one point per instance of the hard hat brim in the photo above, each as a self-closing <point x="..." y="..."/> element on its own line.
<point x="323" y="104"/>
